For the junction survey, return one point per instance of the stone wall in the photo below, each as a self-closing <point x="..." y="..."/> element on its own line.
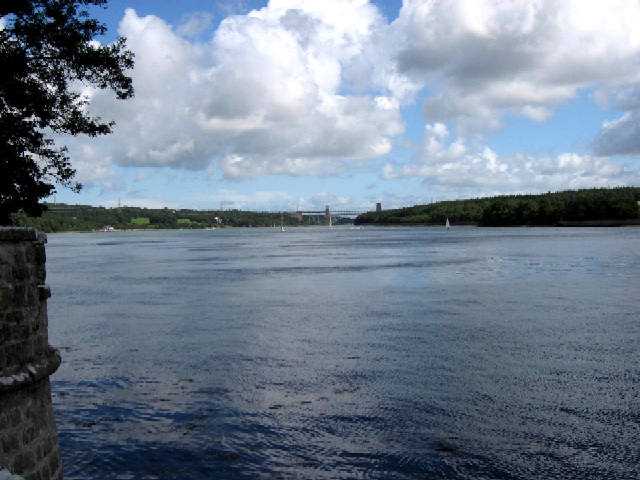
<point x="28" y="436"/>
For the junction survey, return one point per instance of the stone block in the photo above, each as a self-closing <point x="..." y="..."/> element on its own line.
<point x="29" y="434"/>
<point x="10" y="442"/>
<point x="20" y="294"/>
<point x="18" y="234"/>
<point x="28" y="437"/>
<point x="41" y="259"/>
<point x="55" y="464"/>
<point x="6" y="272"/>
<point x="23" y="462"/>
<point x="6" y="297"/>
<point x="44" y="292"/>
<point x="15" y="316"/>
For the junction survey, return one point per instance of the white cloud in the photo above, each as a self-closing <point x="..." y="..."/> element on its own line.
<point x="460" y="167"/>
<point x="320" y="200"/>
<point x="229" y="199"/>
<point x="525" y="58"/>
<point x="302" y="87"/>
<point x="91" y="164"/>
<point x="621" y="136"/>
<point x="142" y="176"/>
<point x="266" y="95"/>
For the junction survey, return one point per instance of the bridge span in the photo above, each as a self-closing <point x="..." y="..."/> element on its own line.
<point x="335" y="213"/>
<point x="327" y="213"/>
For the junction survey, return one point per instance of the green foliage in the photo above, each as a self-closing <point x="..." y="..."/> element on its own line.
<point x="605" y="205"/>
<point x="47" y="52"/>
<point x="62" y="217"/>
<point x="620" y="205"/>
<point x="457" y="211"/>
<point x="140" y="221"/>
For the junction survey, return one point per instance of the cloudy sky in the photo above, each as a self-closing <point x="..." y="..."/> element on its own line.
<point x="303" y="103"/>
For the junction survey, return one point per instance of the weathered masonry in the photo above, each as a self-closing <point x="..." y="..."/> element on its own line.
<point x="28" y="436"/>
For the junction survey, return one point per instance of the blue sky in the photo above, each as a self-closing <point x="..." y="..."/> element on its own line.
<point x="297" y="103"/>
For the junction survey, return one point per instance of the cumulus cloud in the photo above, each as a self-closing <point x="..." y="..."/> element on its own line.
<point x="524" y="57"/>
<point x="267" y="94"/>
<point x="229" y="199"/>
<point x="302" y="87"/>
<point x="481" y="60"/>
<point x="621" y="136"/>
<point x="479" y="170"/>
<point x="93" y="166"/>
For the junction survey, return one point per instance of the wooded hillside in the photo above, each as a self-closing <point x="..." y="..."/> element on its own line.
<point x="63" y="217"/>
<point x="602" y="206"/>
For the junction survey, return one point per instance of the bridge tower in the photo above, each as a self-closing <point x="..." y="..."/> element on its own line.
<point x="327" y="216"/>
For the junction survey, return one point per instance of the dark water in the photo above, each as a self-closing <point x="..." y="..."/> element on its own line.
<point x="413" y="353"/>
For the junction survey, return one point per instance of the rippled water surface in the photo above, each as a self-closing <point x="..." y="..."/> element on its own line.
<point x="413" y="353"/>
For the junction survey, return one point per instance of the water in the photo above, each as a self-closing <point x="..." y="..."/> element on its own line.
<point x="410" y="353"/>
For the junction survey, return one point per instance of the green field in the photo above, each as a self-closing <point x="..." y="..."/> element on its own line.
<point x="140" y="221"/>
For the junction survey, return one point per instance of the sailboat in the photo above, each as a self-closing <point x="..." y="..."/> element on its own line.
<point x="447" y="224"/>
<point x="281" y="222"/>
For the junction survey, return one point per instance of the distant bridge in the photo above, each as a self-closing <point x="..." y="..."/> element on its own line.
<point x="334" y="213"/>
<point x="326" y="213"/>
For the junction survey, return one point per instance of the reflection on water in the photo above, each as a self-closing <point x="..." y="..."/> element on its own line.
<point x="376" y="353"/>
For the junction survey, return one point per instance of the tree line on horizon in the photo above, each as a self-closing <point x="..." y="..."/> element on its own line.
<point x="589" y="206"/>
<point x="618" y="205"/>
<point x="65" y="218"/>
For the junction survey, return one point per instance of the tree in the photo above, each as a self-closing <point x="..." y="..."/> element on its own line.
<point x="47" y="53"/>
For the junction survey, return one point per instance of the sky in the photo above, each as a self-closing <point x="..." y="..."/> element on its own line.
<point x="298" y="104"/>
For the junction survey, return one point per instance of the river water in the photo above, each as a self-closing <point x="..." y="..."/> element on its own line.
<point x="381" y="353"/>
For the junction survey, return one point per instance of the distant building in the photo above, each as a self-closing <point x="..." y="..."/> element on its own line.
<point x="379" y="207"/>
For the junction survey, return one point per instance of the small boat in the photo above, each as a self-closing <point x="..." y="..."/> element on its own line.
<point x="281" y="222"/>
<point x="447" y="224"/>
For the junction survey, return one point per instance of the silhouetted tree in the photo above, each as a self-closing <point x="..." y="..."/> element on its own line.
<point x="47" y="51"/>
